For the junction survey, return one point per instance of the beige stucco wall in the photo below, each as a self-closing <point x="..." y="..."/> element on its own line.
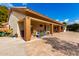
<point x="36" y="26"/>
<point x="13" y="21"/>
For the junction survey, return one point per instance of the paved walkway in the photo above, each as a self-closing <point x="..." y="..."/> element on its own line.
<point x="12" y="46"/>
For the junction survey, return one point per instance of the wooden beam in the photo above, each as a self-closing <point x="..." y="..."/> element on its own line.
<point x="59" y="29"/>
<point x="51" y="29"/>
<point x="27" y="28"/>
<point x="39" y="20"/>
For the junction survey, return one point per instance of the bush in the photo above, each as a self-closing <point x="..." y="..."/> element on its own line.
<point x="2" y="34"/>
<point x="6" y="33"/>
<point x="73" y="27"/>
<point x="41" y="33"/>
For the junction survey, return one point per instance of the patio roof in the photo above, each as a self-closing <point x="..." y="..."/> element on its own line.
<point x="32" y="13"/>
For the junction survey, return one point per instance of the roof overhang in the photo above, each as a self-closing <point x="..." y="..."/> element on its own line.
<point x="32" y="13"/>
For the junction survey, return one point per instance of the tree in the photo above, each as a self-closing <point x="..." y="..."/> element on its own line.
<point x="3" y="14"/>
<point x="73" y="27"/>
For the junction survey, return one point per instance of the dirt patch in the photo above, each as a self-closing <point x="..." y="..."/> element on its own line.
<point x="64" y="43"/>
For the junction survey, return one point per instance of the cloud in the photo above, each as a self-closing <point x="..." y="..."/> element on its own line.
<point x="77" y="21"/>
<point x="57" y="19"/>
<point x="25" y="4"/>
<point x="8" y="5"/>
<point x="61" y="21"/>
<point x="69" y="23"/>
<point x="66" y="20"/>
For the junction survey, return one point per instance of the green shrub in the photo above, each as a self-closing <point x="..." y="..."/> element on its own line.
<point x="6" y="33"/>
<point x="41" y="33"/>
<point x="2" y="34"/>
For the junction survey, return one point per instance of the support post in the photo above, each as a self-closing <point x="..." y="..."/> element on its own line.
<point x="51" y="29"/>
<point x="27" y="28"/>
<point x="59" y="28"/>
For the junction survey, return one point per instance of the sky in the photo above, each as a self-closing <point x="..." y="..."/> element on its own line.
<point x="62" y="12"/>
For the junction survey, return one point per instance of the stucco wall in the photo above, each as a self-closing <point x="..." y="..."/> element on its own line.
<point x="13" y="21"/>
<point x="37" y="28"/>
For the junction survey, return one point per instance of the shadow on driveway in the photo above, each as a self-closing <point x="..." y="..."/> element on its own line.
<point x="64" y="47"/>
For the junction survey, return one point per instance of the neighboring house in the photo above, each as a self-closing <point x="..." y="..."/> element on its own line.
<point x="26" y="22"/>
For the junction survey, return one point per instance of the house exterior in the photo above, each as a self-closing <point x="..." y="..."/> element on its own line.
<point x="26" y="22"/>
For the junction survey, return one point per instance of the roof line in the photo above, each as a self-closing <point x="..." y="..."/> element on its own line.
<point x="37" y="13"/>
<point x="43" y="15"/>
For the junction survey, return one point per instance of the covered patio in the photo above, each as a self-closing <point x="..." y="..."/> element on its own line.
<point x="33" y="27"/>
<point x="31" y="23"/>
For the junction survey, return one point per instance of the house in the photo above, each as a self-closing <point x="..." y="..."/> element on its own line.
<point x="26" y="22"/>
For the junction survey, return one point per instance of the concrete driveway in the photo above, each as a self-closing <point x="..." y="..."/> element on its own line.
<point x="12" y="47"/>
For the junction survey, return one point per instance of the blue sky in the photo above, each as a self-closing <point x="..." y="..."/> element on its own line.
<point x="57" y="11"/>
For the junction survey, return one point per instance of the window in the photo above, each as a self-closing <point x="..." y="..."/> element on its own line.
<point x="41" y="25"/>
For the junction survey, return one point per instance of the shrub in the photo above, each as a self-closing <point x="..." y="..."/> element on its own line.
<point x="6" y="33"/>
<point x="73" y="27"/>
